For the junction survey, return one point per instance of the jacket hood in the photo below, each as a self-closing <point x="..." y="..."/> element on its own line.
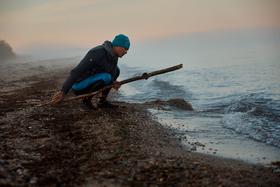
<point x="109" y="47"/>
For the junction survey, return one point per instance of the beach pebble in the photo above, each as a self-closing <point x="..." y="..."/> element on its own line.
<point x="193" y="148"/>
<point x="199" y="144"/>
<point x="33" y="180"/>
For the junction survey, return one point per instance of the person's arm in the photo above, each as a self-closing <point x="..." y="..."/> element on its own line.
<point x="115" y="75"/>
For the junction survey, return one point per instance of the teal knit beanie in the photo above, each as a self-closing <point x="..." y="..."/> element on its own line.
<point x="121" y="40"/>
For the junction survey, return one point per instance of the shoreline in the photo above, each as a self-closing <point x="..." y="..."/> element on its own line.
<point x="113" y="147"/>
<point x="236" y="147"/>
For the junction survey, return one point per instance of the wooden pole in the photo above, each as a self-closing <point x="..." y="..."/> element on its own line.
<point x="143" y="76"/>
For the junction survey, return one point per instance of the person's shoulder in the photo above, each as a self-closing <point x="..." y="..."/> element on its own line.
<point x="98" y="49"/>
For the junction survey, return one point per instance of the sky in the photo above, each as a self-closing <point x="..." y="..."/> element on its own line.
<point x="84" y="23"/>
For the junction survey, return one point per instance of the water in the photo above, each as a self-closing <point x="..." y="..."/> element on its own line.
<point x="237" y="107"/>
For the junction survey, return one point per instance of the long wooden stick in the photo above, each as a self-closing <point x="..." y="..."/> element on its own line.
<point x="143" y="76"/>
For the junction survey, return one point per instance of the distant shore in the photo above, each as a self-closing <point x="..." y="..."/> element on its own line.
<point x="64" y="146"/>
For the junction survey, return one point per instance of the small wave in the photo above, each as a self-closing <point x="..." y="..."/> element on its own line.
<point x="255" y="116"/>
<point x="255" y="106"/>
<point x="165" y="85"/>
<point x="167" y="90"/>
<point x="258" y="129"/>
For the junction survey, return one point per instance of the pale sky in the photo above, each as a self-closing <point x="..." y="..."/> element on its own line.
<point x="81" y="23"/>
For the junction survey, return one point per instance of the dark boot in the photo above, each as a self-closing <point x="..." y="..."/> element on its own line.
<point x="87" y="104"/>
<point x="106" y="104"/>
<point x="103" y="103"/>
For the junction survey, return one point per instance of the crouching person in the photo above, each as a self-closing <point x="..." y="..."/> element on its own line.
<point x="97" y="69"/>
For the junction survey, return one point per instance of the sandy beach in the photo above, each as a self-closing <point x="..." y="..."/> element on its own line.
<point x="122" y="146"/>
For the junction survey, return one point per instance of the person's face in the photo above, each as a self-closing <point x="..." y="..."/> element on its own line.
<point x="120" y="51"/>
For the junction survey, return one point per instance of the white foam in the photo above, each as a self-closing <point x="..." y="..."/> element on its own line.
<point x="128" y="90"/>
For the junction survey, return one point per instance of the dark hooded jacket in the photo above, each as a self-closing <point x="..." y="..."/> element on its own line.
<point x="100" y="59"/>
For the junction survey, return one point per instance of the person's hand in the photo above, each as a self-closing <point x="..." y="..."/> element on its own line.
<point x="57" y="97"/>
<point x="116" y="85"/>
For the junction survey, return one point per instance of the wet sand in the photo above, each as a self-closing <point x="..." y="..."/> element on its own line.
<point x="123" y="146"/>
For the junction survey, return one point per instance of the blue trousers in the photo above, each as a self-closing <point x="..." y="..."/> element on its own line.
<point x="92" y="84"/>
<point x="86" y="83"/>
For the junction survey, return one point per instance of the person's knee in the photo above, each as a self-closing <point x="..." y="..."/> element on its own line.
<point x="106" y="78"/>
